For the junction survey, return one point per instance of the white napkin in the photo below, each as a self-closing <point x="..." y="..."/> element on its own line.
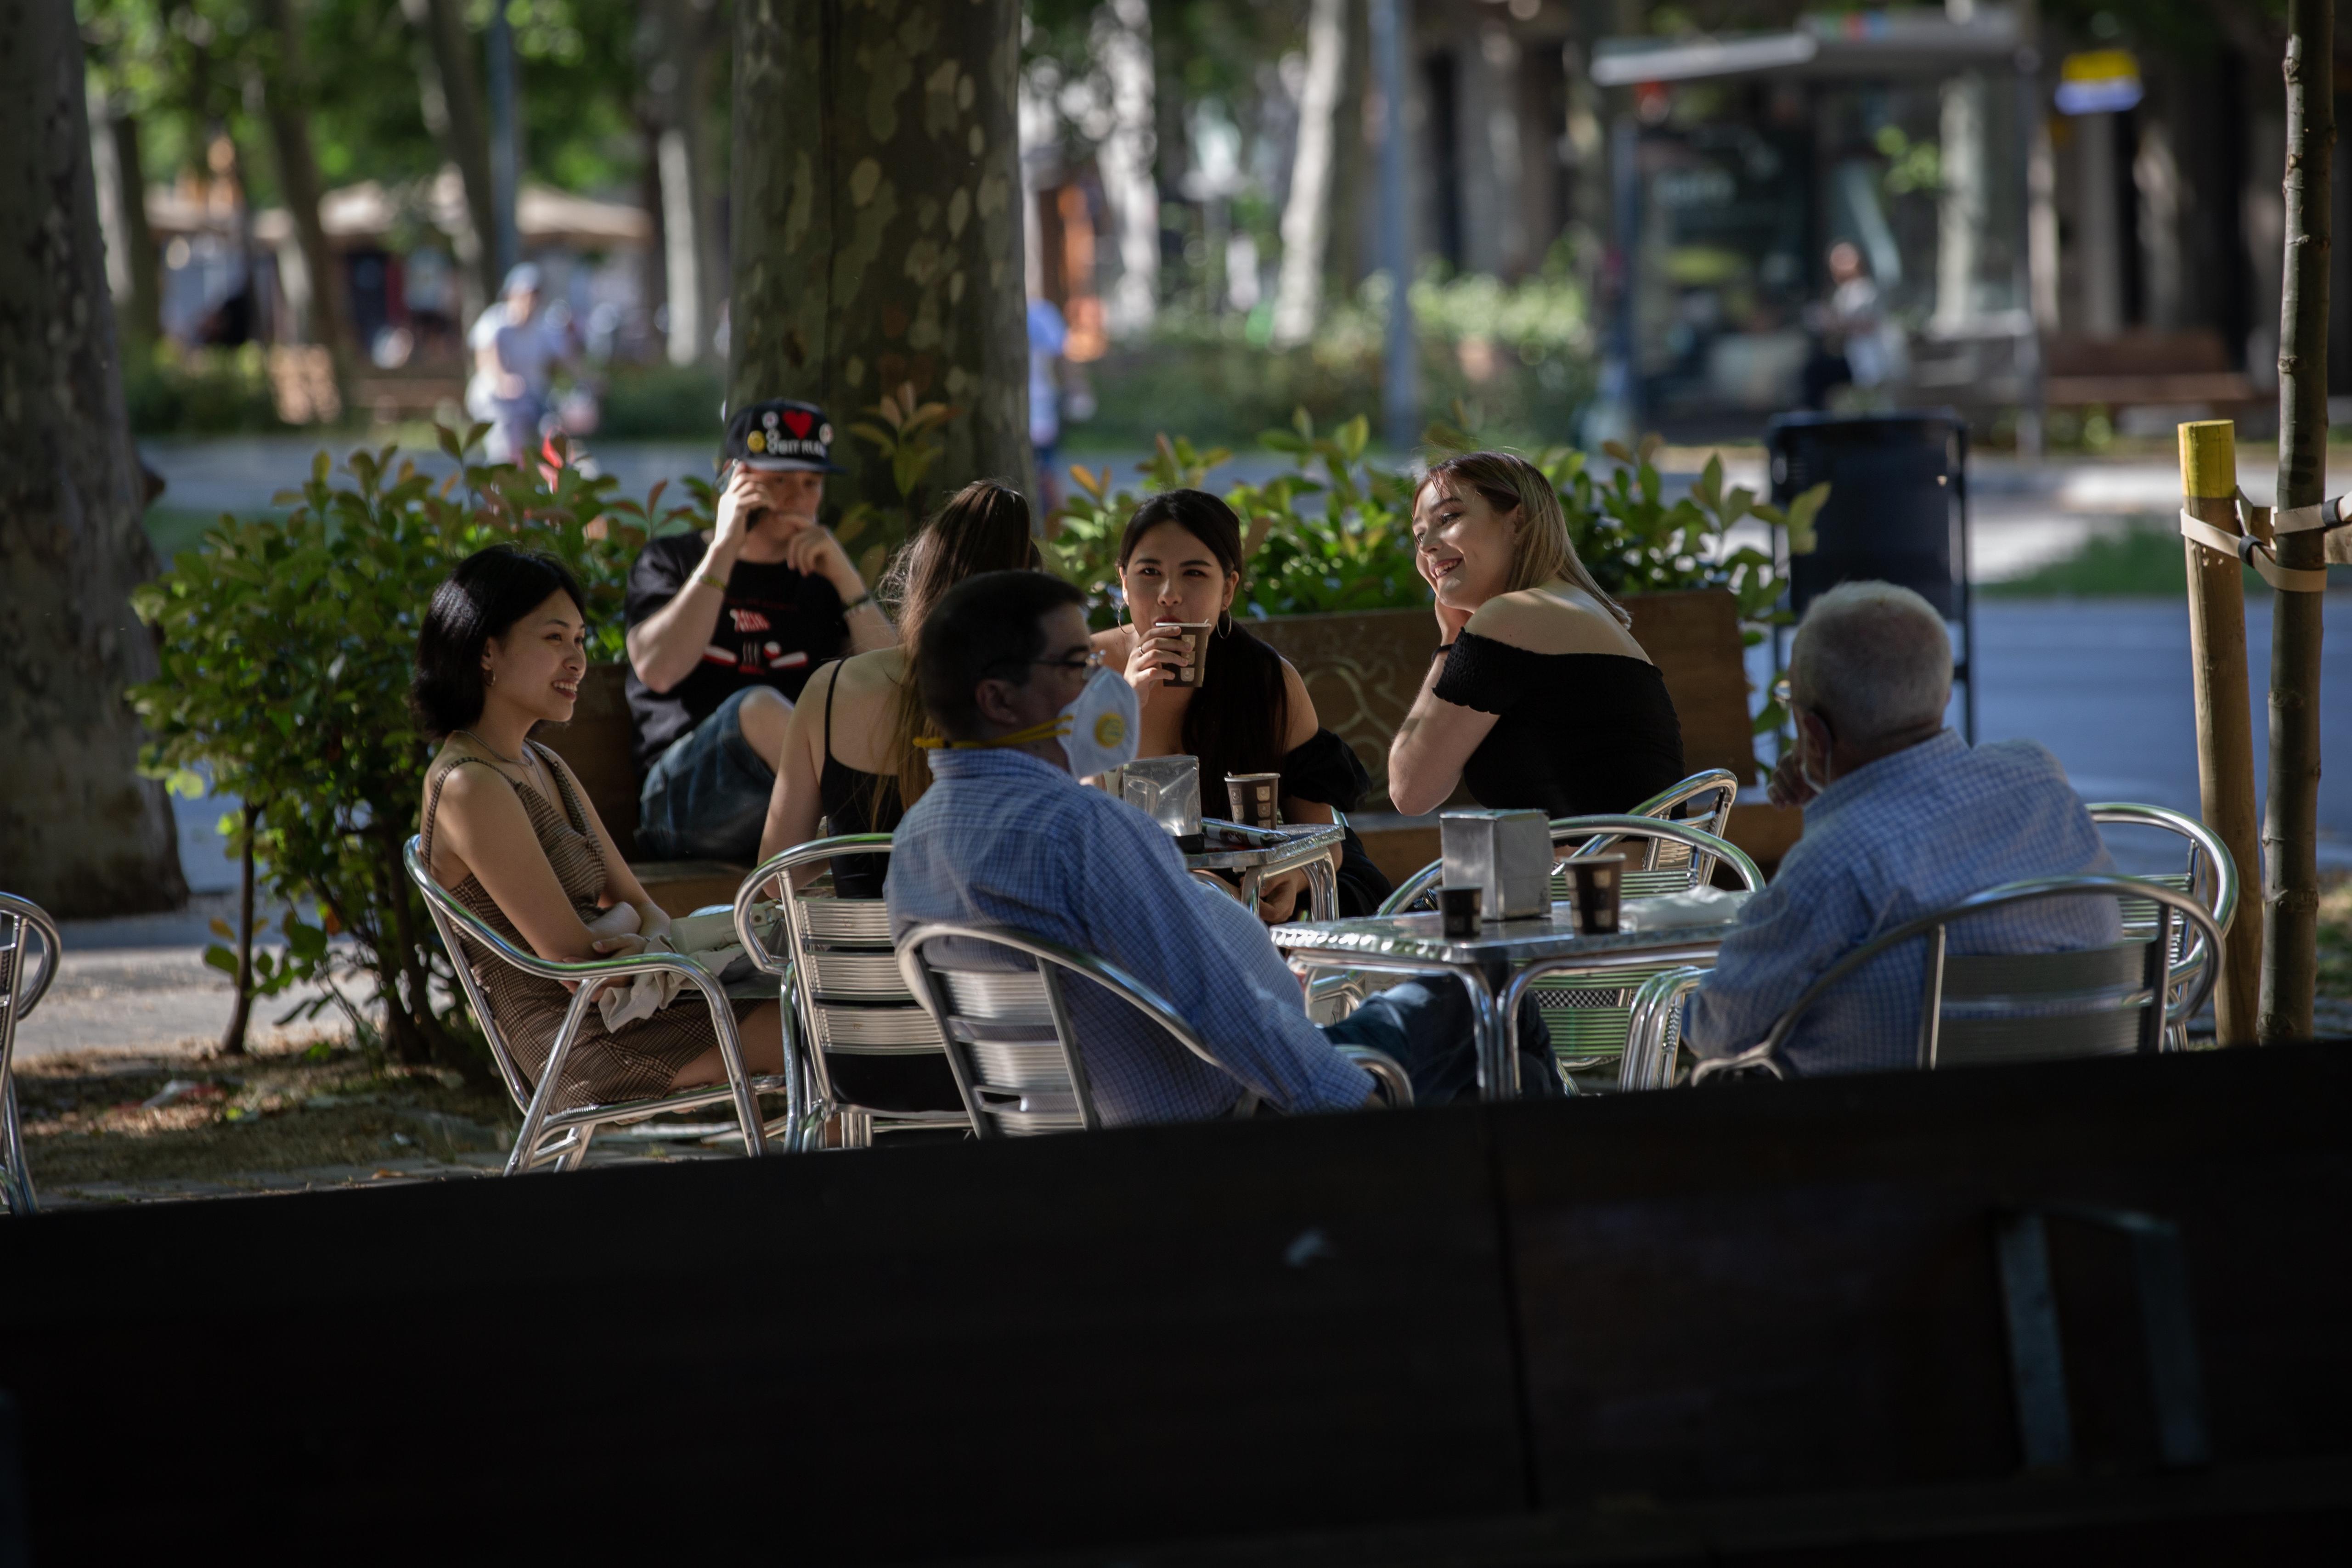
<point x="707" y="939"/>
<point x="1698" y="907"/>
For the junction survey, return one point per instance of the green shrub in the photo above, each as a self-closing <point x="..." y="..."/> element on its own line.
<point x="647" y="402"/>
<point x="1525" y="347"/>
<point x="1353" y="549"/>
<point x="286" y="646"/>
<point x="199" y="392"/>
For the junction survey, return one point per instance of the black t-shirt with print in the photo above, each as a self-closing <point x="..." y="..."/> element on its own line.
<point x="775" y="627"/>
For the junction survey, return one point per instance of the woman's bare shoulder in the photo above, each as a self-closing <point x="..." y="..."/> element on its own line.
<point x="1113" y="639"/>
<point x="1551" y="620"/>
<point x="875" y="668"/>
<point x="1302" y="721"/>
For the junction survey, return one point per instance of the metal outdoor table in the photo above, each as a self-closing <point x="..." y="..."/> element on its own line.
<point x="1257" y="853"/>
<point x="1497" y="966"/>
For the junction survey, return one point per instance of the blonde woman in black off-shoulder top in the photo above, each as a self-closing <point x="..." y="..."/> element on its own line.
<point x="1539" y="697"/>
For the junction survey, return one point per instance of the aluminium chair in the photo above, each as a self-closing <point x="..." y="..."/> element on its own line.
<point x="562" y="1137"/>
<point x="20" y="920"/>
<point x="853" y="1010"/>
<point x="1668" y="866"/>
<point x="2116" y="999"/>
<point x="1588" y="1017"/>
<point x="2210" y="877"/>
<point x="999" y="998"/>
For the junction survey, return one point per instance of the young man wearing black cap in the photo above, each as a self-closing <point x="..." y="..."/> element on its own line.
<point x="725" y="628"/>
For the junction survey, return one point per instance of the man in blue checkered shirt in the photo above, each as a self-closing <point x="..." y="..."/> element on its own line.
<point x="1902" y="818"/>
<point x="1005" y="836"/>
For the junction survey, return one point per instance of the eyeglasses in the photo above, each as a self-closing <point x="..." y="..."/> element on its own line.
<point x="1086" y="666"/>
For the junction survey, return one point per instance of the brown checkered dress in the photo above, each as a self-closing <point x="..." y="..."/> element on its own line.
<point x="646" y="1056"/>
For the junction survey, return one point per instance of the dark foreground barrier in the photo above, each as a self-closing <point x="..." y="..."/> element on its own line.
<point x="1764" y="1322"/>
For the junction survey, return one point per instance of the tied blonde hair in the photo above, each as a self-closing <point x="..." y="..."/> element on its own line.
<point x="1540" y="549"/>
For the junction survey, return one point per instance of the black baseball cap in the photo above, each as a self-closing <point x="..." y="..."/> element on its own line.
<point x="781" y="436"/>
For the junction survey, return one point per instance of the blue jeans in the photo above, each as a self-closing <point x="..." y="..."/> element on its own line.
<point x="706" y="798"/>
<point x="1426" y="1026"/>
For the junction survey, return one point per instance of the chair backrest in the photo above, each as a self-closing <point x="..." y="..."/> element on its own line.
<point x="460" y="927"/>
<point x="2210" y="875"/>
<point x="19" y="920"/>
<point x="997" y="997"/>
<point x="1691" y="864"/>
<point x="849" y="996"/>
<point x="1980" y="1008"/>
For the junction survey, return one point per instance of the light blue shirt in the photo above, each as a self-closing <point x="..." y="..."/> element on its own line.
<point x="1901" y="837"/>
<point x="1003" y="838"/>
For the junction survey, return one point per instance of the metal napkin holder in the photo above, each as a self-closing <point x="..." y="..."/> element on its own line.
<point x="1167" y="790"/>
<point x="1507" y="855"/>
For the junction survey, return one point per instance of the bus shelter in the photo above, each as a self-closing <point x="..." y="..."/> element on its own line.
<point x="1738" y="163"/>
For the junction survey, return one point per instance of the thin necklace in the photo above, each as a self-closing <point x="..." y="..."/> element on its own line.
<point x="525" y="762"/>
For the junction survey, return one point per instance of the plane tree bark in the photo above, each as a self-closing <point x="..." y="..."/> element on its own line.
<point x="877" y="234"/>
<point x="80" y="833"/>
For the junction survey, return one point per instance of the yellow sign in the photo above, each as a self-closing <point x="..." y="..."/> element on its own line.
<point x="2098" y="81"/>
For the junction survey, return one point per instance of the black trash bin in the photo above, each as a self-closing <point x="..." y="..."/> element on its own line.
<point x="1897" y="513"/>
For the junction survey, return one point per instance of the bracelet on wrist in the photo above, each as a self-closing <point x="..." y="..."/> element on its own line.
<point x="713" y="582"/>
<point x="1443" y="649"/>
<point x="863" y="599"/>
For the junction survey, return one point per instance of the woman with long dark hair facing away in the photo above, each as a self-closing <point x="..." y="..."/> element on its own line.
<point x="510" y="833"/>
<point x="1539" y="696"/>
<point x="1180" y="564"/>
<point x="850" y="764"/>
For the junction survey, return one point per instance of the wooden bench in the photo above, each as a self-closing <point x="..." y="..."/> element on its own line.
<point x="2140" y="369"/>
<point x="1362" y="670"/>
<point x="597" y="744"/>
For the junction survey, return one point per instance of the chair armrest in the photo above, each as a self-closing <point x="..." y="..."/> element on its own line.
<point x="32" y="919"/>
<point x="773" y="869"/>
<point x="1386" y="1068"/>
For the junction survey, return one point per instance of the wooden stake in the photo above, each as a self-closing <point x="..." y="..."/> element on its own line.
<point x="2225" y="724"/>
<point x="2291" y="821"/>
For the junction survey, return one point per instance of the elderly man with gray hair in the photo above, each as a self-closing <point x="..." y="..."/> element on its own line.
<point x="1902" y="818"/>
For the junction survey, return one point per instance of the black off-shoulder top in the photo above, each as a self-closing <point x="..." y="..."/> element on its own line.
<point x="1576" y="733"/>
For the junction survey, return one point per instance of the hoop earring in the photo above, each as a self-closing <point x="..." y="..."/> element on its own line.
<point x="1225" y="630"/>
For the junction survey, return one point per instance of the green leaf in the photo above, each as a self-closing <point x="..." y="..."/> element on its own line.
<point x="222" y="959"/>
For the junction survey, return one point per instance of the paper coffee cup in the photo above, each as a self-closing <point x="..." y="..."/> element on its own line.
<point x="1196" y="642"/>
<point x="1256" y="798"/>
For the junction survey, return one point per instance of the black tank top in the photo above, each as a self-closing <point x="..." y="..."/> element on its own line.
<point x="1575" y="732"/>
<point x="854" y="801"/>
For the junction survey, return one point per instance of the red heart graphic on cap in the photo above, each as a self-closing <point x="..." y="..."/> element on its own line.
<point x="799" y="422"/>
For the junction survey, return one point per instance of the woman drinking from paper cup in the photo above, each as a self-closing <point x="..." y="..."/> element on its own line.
<point x="1209" y="689"/>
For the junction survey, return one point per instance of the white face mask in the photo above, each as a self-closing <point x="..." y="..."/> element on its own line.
<point x="1098" y="732"/>
<point x="1101" y="730"/>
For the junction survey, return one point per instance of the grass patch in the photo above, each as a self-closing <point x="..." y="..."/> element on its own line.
<point x="172" y="529"/>
<point x="2145" y="562"/>
<point x="97" y="1120"/>
<point x="2335" y="939"/>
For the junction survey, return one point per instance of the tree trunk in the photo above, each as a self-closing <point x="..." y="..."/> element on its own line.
<point x="1307" y="216"/>
<point x="80" y="833"/>
<point x="2291" y="818"/>
<point x="232" y="1037"/>
<point x="1122" y="41"/>
<point x="877" y="243"/>
<point x="143" y="319"/>
<point x="687" y="159"/>
<point x="464" y="123"/>
<point x="286" y="95"/>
